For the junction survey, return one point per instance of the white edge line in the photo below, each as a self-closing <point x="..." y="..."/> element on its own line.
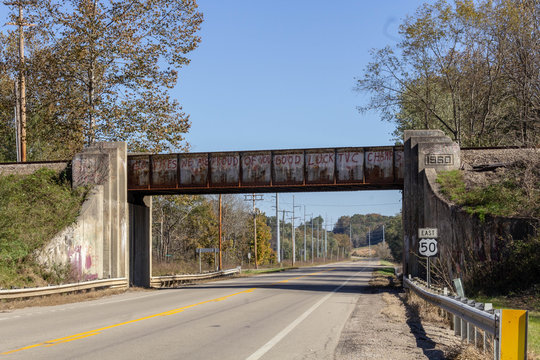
<point x="270" y="344"/>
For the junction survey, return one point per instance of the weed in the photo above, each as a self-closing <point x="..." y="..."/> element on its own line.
<point x="33" y="208"/>
<point x="505" y="198"/>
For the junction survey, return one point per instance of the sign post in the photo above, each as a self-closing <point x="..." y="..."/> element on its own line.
<point x="428" y="247"/>
<point x="206" y="250"/>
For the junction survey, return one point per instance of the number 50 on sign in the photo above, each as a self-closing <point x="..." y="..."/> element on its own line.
<point x="427" y="247"/>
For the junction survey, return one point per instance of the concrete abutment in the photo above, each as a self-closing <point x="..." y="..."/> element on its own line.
<point x="113" y="235"/>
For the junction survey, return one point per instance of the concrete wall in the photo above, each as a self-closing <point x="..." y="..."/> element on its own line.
<point x="104" y="164"/>
<point x="81" y="244"/>
<point x="465" y="240"/>
<point x="96" y="246"/>
<point x="30" y="168"/>
<point x="424" y="149"/>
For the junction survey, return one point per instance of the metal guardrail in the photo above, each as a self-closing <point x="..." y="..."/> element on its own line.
<point x="60" y="289"/>
<point x="170" y="280"/>
<point x="505" y="330"/>
<point x="472" y="312"/>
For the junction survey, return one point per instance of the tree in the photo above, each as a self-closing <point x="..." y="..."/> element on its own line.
<point x="181" y="224"/>
<point x="103" y="69"/>
<point x="265" y="254"/>
<point x="469" y="69"/>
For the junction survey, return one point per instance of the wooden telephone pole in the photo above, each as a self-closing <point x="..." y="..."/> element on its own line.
<point x="21" y="101"/>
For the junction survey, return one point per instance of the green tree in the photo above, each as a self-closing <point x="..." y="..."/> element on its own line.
<point x="102" y="70"/>
<point x="467" y="68"/>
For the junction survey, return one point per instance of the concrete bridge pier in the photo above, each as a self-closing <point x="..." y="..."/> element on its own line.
<point x="423" y="149"/>
<point x="140" y="239"/>
<point x="103" y="165"/>
<point x="124" y="246"/>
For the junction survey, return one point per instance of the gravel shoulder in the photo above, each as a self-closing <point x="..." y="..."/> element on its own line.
<point x="384" y="326"/>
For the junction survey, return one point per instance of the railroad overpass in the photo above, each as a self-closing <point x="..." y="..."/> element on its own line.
<point x="112" y="237"/>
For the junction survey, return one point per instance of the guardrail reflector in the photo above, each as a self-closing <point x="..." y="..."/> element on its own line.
<point x="513" y="334"/>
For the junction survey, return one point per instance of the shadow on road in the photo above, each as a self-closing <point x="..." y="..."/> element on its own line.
<point x="423" y="341"/>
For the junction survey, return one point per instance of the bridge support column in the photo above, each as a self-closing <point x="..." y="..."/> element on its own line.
<point x="140" y="239"/>
<point x="423" y="149"/>
<point x="105" y="164"/>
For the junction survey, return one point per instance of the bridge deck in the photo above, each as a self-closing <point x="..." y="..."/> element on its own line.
<point x="328" y="169"/>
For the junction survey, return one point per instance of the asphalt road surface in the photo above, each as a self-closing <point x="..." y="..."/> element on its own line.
<point x="296" y="314"/>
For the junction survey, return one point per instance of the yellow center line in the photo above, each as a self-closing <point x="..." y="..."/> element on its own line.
<point x="86" y="334"/>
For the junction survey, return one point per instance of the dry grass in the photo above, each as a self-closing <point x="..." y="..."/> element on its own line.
<point x="394" y="308"/>
<point x="408" y="307"/>
<point x="60" y="299"/>
<point x="364" y="252"/>
<point x="424" y="310"/>
<point x="431" y="314"/>
<point x="467" y="353"/>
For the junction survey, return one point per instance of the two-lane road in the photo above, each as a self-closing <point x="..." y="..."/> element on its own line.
<point x="290" y="315"/>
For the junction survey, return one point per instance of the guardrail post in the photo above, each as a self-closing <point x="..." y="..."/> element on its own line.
<point x="457" y="326"/>
<point x="497" y="337"/>
<point x="464" y="332"/>
<point x="471" y="330"/>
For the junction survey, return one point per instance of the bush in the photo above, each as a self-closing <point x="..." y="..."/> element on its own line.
<point x="517" y="270"/>
<point x="383" y="251"/>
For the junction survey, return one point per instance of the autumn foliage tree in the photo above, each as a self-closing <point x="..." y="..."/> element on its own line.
<point x="469" y="68"/>
<point x="102" y="69"/>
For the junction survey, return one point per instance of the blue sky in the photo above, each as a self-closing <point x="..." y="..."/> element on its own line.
<point x="280" y="74"/>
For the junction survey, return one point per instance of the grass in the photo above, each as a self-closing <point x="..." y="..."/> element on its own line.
<point x="387" y="263"/>
<point x="387" y="271"/>
<point x="33" y="208"/>
<point x="505" y="198"/>
<point x="527" y="302"/>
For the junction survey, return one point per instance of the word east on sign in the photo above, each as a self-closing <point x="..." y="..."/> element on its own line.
<point x="427" y="245"/>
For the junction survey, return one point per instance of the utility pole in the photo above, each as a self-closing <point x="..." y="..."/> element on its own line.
<point x="278" y="244"/>
<point x="254" y="198"/>
<point x="21" y="150"/>
<point x="16" y="111"/>
<point x="312" y="248"/>
<point x="318" y="239"/>
<point x="325" y="237"/>
<point x="293" y="234"/>
<point x="220" y="213"/>
<point x="369" y="241"/>
<point x="283" y="222"/>
<point x="304" y="233"/>
<point x="383" y="234"/>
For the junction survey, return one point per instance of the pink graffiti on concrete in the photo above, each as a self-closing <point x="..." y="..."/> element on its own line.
<point x="80" y="259"/>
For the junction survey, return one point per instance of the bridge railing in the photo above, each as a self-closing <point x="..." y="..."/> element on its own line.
<point x="507" y="340"/>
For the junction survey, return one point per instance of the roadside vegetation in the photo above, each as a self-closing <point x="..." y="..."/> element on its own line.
<point x="33" y="209"/>
<point x="515" y="193"/>
<point x="513" y="281"/>
<point x="530" y="302"/>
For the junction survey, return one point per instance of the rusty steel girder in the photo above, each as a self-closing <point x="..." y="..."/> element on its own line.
<point x="328" y="169"/>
